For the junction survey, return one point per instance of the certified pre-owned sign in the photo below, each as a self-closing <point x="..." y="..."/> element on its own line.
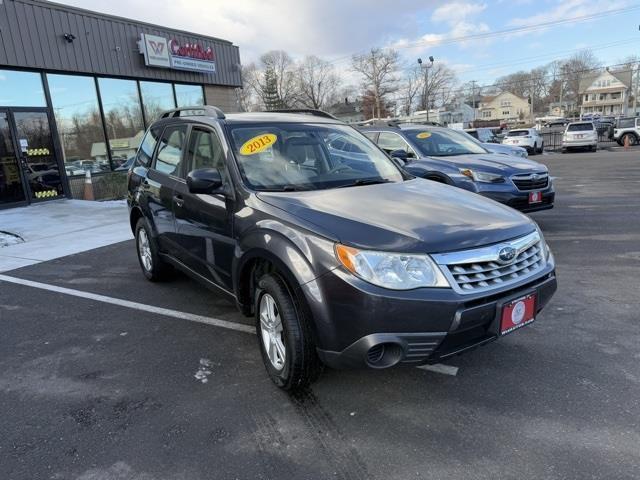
<point x="161" y="52"/>
<point x="155" y="50"/>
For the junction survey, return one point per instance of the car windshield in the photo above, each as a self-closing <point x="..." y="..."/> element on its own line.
<point x="580" y="127"/>
<point x="305" y="156"/>
<point x="444" y="142"/>
<point x="518" y="133"/>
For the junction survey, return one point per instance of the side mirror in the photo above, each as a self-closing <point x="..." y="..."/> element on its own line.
<point x="401" y="154"/>
<point x="204" y="180"/>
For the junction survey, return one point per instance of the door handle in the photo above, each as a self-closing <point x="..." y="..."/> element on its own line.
<point x="178" y="201"/>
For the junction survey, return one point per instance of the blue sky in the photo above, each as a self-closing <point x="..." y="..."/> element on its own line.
<point x="335" y="29"/>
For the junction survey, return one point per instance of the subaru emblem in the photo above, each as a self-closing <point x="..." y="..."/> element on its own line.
<point x="535" y="176"/>
<point x="506" y="254"/>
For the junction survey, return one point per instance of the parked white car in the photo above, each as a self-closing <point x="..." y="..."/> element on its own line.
<point x="528" y="138"/>
<point x="580" y="135"/>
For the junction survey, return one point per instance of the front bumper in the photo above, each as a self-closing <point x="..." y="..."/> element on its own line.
<point x="508" y="194"/>
<point x="415" y="327"/>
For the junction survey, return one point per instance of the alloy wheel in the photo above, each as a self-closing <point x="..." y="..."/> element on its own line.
<point x="144" y="250"/>
<point x="272" y="332"/>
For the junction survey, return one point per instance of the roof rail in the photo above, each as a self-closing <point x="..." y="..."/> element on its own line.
<point x="196" y="111"/>
<point x="307" y="111"/>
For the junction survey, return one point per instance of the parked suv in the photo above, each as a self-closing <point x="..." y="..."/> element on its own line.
<point x="455" y="158"/>
<point x="343" y="260"/>
<point x="580" y="135"/>
<point x="627" y="129"/>
<point x="528" y="138"/>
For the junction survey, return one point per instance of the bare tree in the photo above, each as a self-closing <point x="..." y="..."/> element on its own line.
<point x="581" y="65"/>
<point x="317" y="82"/>
<point x="438" y="86"/>
<point x="378" y="70"/>
<point x="410" y="88"/>
<point x="250" y="95"/>
<point x="279" y="75"/>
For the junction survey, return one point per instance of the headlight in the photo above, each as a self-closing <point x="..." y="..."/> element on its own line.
<point x="482" y="176"/>
<point x="546" y="251"/>
<point x="523" y="153"/>
<point x="395" y="271"/>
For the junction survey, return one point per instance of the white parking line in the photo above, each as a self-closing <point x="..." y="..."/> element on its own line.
<point x="167" y="312"/>
<point x="441" y="368"/>
<point x="134" y="305"/>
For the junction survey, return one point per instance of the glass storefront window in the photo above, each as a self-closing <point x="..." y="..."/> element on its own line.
<point x="156" y="98"/>
<point x="21" y="89"/>
<point x="189" y="95"/>
<point x="75" y="106"/>
<point x="123" y="117"/>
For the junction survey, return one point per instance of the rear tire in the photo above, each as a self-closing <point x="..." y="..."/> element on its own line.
<point x="153" y="266"/>
<point x="284" y="336"/>
<point x="633" y="140"/>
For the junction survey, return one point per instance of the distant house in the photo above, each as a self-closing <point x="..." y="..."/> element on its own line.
<point x="457" y="112"/>
<point x="605" y="93"/>
<point x="349" y="112"/>
<point x="564" y="109"/>
<point x="505" y="107"/>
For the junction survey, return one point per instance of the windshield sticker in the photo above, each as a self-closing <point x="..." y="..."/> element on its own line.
<point x="422" y="135"/>
<point x="258" y="144"/>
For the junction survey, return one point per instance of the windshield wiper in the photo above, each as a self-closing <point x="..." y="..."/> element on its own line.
<point x="286" y="188"/>
<point x="364" y="181"/>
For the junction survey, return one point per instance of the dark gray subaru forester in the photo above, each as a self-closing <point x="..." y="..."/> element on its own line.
<point x="343" y="258"/>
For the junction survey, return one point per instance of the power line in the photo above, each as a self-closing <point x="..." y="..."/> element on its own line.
<point x="509" y="31"/>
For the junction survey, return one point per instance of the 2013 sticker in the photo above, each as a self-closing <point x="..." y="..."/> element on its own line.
<point x="423" y="135"/>
<point x="258" y="144"/>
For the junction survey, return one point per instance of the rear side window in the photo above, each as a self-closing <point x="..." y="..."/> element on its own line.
<point x="474" y="134"/>
<point x="148" y="145"/>
<point x="371" y="135"/>
<point x="580" y="127"/>
<point x="170" y="150"/>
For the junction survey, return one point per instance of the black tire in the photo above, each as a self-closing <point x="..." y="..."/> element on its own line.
<point x="633" y="140"/>
<point x="301" y="365"/>
<point x="533" y="151"/>
<point x="158" y="270"/>
<point x="541" y="148"/>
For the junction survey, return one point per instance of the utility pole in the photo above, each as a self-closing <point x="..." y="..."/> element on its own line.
<point x="473" y="101"/>
<point x="426" y="83"/>
<point x="635" y="90"/>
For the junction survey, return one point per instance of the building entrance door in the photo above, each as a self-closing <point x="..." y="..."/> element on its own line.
<point x="29" y="168"/>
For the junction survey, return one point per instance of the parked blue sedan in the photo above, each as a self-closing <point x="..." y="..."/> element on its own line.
<point x="452" y="157"/>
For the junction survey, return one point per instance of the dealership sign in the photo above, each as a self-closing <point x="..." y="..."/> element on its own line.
<point x="164" y="53"/>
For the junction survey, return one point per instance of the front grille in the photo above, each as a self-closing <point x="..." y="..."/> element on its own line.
<point x="535" y="181"/>
<point x="482" y="269"/>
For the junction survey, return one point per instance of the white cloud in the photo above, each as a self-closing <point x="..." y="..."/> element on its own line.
<point x="567" y="9"/>
<point x="328" y="28"/>
<point x="456" y="12"/>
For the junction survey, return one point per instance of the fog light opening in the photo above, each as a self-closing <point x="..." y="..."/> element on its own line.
<point x="384" y="355"/>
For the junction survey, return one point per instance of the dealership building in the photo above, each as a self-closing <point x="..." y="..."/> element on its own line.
<point x="79" y="88"/>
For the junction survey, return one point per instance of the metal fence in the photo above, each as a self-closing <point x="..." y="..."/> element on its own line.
<point x="553" y="139"/>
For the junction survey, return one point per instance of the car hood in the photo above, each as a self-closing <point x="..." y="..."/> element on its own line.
<point x="412" y="216"/>
<point x="500" y="148"/>
<point x="494" y="162"/>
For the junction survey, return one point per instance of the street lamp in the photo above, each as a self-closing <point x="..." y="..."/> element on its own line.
<point x="425" y="95"/>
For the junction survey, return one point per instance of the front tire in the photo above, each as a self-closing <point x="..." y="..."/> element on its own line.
<point x="153" y="267"/>
<point x="287" y="349"/>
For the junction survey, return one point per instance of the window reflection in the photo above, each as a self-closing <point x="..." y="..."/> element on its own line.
<point x="75" y="106"/>
<point x="21" y="89"/>
<point x="156" y="98"/>
<point x="189" y="95"/>
<point x="123" y="118"/>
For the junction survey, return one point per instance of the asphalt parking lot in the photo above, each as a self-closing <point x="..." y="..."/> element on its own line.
<point x="93" y="388"/>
